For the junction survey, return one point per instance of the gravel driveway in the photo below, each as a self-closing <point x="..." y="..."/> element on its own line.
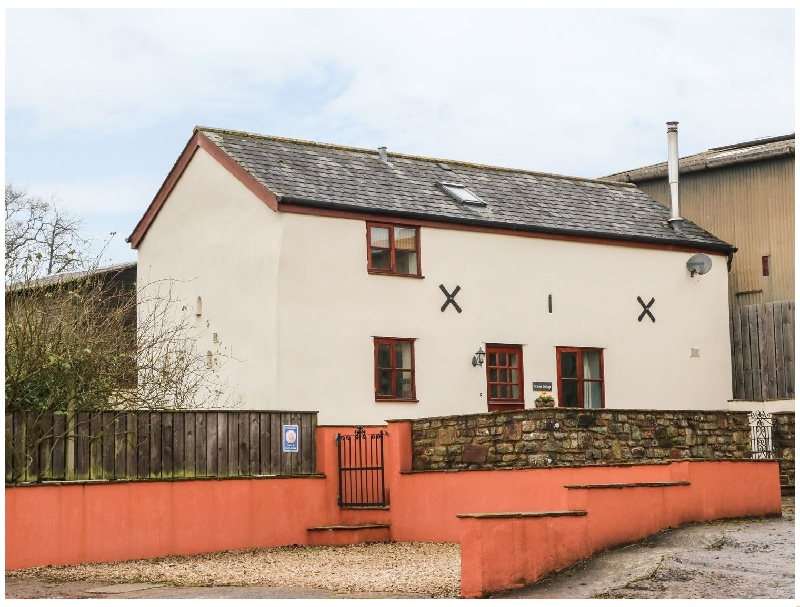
<point x="400" y="569"/>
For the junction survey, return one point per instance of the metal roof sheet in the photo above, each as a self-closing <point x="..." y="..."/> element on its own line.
<point x="748" y="151"/>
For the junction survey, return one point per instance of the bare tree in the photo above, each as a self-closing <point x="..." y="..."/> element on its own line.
<point x="81" y="342"/>
<point x="41" y="237"/>
<point x="76" y="345"/>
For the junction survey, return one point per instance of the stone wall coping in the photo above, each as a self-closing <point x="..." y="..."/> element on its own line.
<point x="555" y="409"/>
<point x="552" y="410"/>
<point x="630" y="485"/>
<point x="349" y="426"/>
<point x="524" y="514"/>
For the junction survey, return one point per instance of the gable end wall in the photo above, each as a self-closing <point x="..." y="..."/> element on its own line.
<point x="218" y="241"/>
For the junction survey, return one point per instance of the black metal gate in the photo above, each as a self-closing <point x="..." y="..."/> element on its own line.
<point x="361" y="469"/>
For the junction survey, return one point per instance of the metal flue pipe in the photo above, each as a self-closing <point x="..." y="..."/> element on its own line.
<point x="675" y="220"/>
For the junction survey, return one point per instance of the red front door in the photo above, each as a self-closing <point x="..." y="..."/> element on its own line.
<point x="504" y="383"/>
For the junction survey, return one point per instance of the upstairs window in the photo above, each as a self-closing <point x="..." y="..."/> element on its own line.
<point x="393" y="249"/>
<point x="394" y="369"/>
<point x="580" y="377"/>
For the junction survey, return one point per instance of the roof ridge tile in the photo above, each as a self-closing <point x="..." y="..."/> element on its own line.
<point x="431" y="159"/>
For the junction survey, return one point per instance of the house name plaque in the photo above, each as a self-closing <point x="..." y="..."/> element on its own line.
<point x="545" y="386"/>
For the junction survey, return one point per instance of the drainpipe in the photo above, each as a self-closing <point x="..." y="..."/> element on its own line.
<point x="675" y="220"/>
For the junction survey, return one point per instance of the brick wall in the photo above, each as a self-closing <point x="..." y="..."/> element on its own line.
<point x="564" y="437"/>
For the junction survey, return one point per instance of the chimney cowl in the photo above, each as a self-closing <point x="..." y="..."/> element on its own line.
<point x="382" y="153"/>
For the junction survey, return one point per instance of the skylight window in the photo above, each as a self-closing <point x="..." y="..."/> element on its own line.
<point x="460" y="193"/>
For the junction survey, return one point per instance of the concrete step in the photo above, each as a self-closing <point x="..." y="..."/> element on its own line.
<point x="344" y="535"/>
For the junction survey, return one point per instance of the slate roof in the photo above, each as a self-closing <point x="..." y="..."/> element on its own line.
<point x="738" y="153"/>
<point x="355" y="179"/>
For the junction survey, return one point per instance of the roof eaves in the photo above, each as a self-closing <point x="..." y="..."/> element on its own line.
<point x="169" y="182"/>
<point x="721" y="246"/>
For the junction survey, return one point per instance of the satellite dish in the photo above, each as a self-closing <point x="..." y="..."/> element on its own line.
<point x="698" y="264"/>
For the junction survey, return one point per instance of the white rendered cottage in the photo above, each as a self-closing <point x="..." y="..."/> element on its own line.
<point x="362" y="284"/>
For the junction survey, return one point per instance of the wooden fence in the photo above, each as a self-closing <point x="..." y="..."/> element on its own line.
<point x="113" y="445"/>
<point x="762" y="351"/>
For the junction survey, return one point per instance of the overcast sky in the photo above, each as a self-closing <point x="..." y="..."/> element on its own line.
<point x="99" y="103"/>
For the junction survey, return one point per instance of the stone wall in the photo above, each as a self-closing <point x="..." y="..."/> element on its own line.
<point x="783" y="441"/>
<point x="569" y="437"/>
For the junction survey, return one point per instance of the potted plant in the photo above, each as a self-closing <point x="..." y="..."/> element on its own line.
<point x="544" y="400"/>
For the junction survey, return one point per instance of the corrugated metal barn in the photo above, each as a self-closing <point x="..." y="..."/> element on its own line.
<point x="744" y="194"/>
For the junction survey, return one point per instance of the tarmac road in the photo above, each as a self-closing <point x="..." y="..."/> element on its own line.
<point x="51" y="589"/>
<point x="742" y="558"/>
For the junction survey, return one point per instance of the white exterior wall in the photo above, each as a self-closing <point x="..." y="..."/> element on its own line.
<point x="330" y="309"/>
<point x="219" y="242"/>
<point x="290" y="295"/>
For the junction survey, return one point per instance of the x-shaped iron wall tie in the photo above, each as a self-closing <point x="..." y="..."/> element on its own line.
<point x="646" y="308"/>
<point x="450" y="298"/>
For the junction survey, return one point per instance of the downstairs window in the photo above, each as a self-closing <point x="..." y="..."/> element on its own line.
<point x="580" y="377"/>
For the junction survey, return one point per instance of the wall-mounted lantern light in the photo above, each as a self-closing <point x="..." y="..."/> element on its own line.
<point x="477" y="360"/>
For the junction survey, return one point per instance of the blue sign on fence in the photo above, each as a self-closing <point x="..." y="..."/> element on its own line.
<point x="291" y="439"/>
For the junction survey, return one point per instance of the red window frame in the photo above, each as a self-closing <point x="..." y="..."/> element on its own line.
<point x="580" y="379"/>
<point x="392" y="271"/>
<point x="392" y="341"/>
<point x="498" y="403"/>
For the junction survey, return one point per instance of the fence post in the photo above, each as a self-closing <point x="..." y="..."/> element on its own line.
<point x="69" y="443"/>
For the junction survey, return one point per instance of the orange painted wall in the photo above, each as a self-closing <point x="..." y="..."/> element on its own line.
<point x="498" y="554"/>
<point x="450" y="493"/>
<point x="87" y="522"/>
<point x="49" y="525"/>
